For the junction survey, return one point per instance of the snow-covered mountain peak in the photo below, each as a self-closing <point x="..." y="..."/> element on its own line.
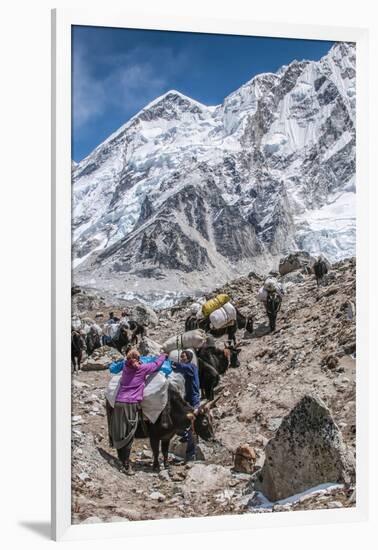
<point x="190" y="191"/>
<point x="171" y="105"/>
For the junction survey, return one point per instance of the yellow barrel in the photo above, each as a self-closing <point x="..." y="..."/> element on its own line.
<point x="215" y="303"/>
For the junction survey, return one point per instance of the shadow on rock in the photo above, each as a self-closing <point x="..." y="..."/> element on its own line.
<point x="261" y="330"/>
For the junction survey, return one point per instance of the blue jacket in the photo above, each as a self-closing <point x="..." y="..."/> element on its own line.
<point x="192" y="385"/>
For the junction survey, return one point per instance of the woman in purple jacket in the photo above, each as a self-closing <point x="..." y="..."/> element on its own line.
<point x="124" y="419"/>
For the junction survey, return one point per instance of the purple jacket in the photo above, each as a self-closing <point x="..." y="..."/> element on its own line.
<point x="133" y="380"/>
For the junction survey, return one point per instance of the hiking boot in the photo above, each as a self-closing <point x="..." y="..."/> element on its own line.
<point x="127" y="469"/>
<point x="189" y="458"/>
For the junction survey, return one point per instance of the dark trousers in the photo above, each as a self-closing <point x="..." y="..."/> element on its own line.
<point x="124" y="453"/>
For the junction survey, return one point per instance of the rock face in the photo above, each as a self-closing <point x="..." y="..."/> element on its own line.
<point x="307" y="450"/>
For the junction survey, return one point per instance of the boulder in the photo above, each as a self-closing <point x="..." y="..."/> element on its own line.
<point x="307" y="450"/>
<point x="294" y="277"/>
<point x="295" y="261"/>
<point x="101" y="363"/>
<point x="107" y="351"/>
<point x="245" y="459"/>
<point x="146" y="346"/>
<point x="101" y="358"/>
<point x="145" y="315"/>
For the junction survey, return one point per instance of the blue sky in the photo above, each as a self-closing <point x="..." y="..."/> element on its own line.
<point x="116" y="72"/>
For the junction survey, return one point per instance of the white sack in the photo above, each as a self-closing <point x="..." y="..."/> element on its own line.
<point x="223" y="316"/>
<point x="177" y="381"/>
<point x="262" y="295"/>
<point x="155" y="396"/>
<point x="113" y="387"/>
<point x="111" y="329"/>
<point x="191" y="339"/>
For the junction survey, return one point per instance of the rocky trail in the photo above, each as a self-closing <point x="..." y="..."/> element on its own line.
<point x="311" y="353"/>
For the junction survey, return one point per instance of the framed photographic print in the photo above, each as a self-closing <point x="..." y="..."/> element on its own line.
<point x="209" y="268"/>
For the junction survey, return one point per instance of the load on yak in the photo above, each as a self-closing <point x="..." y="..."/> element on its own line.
<point x="218" y="316"/>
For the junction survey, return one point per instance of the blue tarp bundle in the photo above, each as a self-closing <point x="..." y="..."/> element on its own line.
<point x="116" y="366"/>
<point x="166" y="368"/>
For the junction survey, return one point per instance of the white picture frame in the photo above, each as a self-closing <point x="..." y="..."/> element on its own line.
<point x="62" y="20"/>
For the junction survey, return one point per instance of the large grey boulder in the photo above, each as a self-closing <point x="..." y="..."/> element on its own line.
<point x="101" y="358"/>
<point x="145" y="315"/>
<point x="294" y="261"/>
<point x="101" y="363"/>
<point x="295" y="277"/>
<point x="147" y="346"/>
<point x="306" y="450"/>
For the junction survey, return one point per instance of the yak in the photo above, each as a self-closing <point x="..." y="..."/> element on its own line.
<point x="176" y="417"/>
<point x="120" y="341"/>
<point x="137" y="329"/>
<point x="77" y="347"/>
<point x="92" y="340"/>
<point x="241" y="322"/>
<point x="212" y="362"/>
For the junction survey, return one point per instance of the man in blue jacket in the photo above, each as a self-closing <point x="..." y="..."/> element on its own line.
<point x="192" y="394"/>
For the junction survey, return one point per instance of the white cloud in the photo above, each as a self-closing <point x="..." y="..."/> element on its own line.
<point x="127" y="81"/>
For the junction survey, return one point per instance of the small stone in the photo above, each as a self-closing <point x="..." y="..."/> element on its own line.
<point x="114" y="519"/>
<point x="331" y="362"/>
<point x="92" y="519"/>
<point x="245" y="459"/>
<point x="282" y="507"/>
<point x="164" y="475"/>
<point x="335" y="504"/>
<point x="84" y="476"/>
<point x="146" y="453"/>
<point x="178" y="476"/>
<point x="157" y="496"/>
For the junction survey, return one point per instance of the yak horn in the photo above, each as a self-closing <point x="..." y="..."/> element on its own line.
<point x="210" y="404"/>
